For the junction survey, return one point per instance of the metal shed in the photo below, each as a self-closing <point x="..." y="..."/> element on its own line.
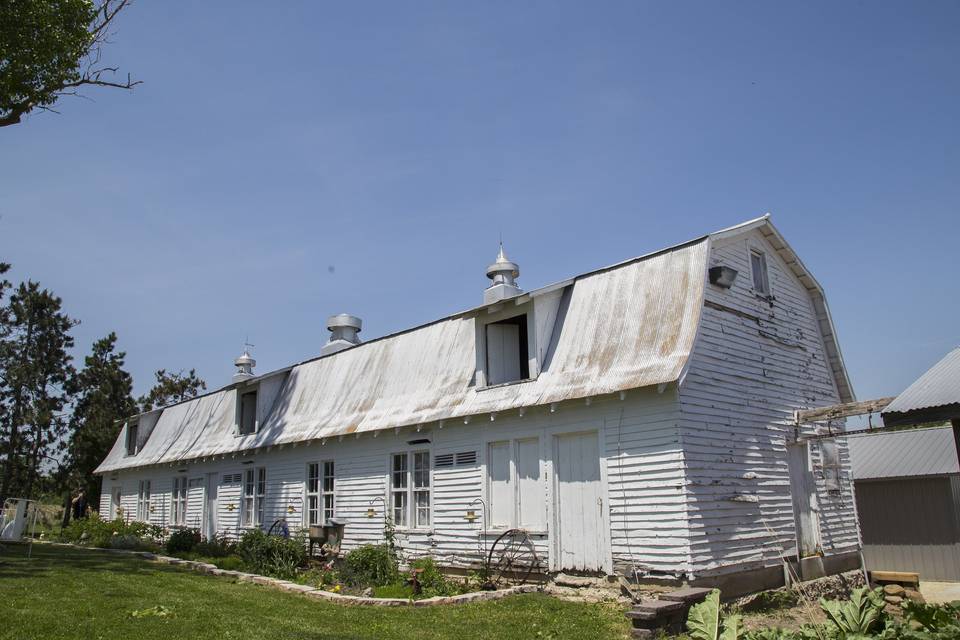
<point x="907" y="487"/>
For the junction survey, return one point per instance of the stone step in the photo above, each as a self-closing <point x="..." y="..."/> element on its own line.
<point x="653" y="609"/>
<point x="687" y="595"/>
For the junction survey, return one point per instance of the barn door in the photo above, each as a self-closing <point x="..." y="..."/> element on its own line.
<point x="803" y="489"/>
<point x="115" y="493"/>
<point x="210" y="507"/>
<point x="579" y="523"/>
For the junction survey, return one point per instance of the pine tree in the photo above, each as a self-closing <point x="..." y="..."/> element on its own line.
<point x="34" y="370"/>
<point x="171" y="388"/>
<point x="102" y="392"/>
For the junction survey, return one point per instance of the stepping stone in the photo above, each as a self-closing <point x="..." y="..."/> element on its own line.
<point x="688" y="595"/>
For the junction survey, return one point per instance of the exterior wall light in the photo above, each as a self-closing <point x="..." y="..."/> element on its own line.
<point x="722" y="276"/>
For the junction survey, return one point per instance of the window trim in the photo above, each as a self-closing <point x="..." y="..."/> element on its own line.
<point x="764" y="275"/>
<point x="238" y="427"/>
<point x="178" y="501"/>
<point x="409" y="490"/>
<point x="132" y="435"/>
<point x="320" y="493"/>
<point x="143" y="501"/>
<point x="257" y="478"/>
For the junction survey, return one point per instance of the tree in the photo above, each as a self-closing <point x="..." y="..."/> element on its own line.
<point x="171" y="388"/>
<point x="34" y="370"/>
<point x="102" y="397"/>
<point x="52" y="48"/>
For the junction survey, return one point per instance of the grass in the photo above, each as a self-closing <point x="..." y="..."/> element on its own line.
<point x="91" y="595"/>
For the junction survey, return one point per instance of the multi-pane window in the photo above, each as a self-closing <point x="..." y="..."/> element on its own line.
<point x="320" y="492"/>
<point x="178" y="501"/>
<point x="143" y="501"/>
<point x="514" y="490"/>
<point x="410" y="489"/>
<point x="254" y="493"/>
<point x="758" y="265"/>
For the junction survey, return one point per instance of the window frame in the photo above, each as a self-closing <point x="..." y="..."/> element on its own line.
<point x="178" y="501"/>
<point x="252" y="504"/>
<point x="320" y="493"/>
<point x="498" y="313"/>
<point x="132" y="434"/>
<point x="255" y="391"/>
<point x="513" y="442"/>
<point x="764" y="272"/>
<point x="143" y="501"/>
<point x="414" y="518"/>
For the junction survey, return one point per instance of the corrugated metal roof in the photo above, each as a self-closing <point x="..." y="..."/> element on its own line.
<point x="914" y="452"/>
<point x="622" y="327"/>
<point x="938" y="387"/>
<point x="627" y="327"/>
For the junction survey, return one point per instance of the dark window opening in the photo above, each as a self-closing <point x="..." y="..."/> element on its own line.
<point x="132" y="439"/>
<point x="758" y="265"/>
<point x="507" y="350"/>
<point x="248" y="412"/>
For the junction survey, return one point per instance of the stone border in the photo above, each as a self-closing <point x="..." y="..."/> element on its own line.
<point x="320" y="594"/>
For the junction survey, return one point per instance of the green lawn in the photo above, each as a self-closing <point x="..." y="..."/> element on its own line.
<point x="75" y="593"/>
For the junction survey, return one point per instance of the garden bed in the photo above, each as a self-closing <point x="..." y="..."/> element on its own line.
<point x="331" y="596"/>
<point x="369" y="574"/>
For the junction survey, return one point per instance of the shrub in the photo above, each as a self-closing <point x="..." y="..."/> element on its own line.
<point x="862" y="614"/>
<point x="371" y="565"/>
<point x="432" y="582"/>
<point x="182" y="541"/>
<point x="271" y="555"/>
<point x="227" y="563"/>
<point x="96" y="532"/>
<point x="220" y="546"/>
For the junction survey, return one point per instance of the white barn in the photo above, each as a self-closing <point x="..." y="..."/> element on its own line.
<point x="637" y="419"/>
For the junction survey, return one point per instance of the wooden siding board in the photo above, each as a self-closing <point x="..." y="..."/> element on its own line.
<point x="745" y="379"/>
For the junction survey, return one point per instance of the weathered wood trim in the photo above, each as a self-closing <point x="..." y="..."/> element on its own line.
<point x="844" y="410"/>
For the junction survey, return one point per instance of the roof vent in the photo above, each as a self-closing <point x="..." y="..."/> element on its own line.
<point x="502" y="272"/>
<point x="245" y="364"/>
<point x="343" y="333"/>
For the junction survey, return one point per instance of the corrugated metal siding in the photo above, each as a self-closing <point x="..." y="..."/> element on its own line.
<point x="627" y="327"/>
<point x="916" y="452"/>
<point x="937" y="387"/>
<point x="911" y="525"/>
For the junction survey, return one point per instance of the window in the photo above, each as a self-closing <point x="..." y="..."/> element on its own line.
<point x="254" y="492"/>
<point x="830" y="460"/>
<point x="410" y="489"/>
<point x="514" y="489"/>
<point x="507" y="350"/>
<point x="143" y="501"/>
<point x="178" y="501"/>
<point x="248" y="413"/>
<point x="758" y="265"/>
<point x="132" y="438"/>
<point x="320" y="492"/>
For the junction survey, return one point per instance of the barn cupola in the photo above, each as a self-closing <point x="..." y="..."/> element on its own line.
<point x="245" y="364"/>
<point x="503" y="273"/>
<point x="343" y="333"/>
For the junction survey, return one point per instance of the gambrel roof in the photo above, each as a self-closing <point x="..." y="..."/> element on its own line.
<point x="622" y="327"/>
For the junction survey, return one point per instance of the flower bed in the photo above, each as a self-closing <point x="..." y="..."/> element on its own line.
<point x="366" y="574"/>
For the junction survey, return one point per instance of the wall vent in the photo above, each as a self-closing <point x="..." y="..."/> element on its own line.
<point x="443" y="460"/>
<point x="466" y="457"/>
<point x="231" y="478"/>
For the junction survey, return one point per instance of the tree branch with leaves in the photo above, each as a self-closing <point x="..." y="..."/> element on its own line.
<point x="53" y="48"/>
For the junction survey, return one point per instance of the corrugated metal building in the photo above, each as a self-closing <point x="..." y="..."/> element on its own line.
<point x="634" y="419"/>
<point x="907" y="485"/>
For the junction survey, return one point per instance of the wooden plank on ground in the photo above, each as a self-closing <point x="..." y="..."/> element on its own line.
<point x="895" y="576"/>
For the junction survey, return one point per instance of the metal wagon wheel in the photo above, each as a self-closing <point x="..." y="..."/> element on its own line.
<point x="512" y="557"/>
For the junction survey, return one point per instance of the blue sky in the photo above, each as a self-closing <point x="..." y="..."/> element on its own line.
<point x="282" y="164"/>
